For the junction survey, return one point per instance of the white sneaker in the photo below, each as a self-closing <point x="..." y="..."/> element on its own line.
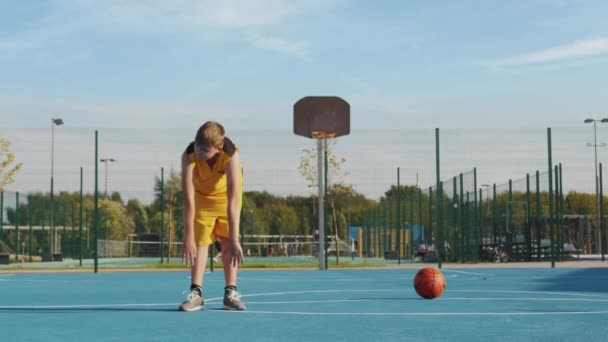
<point x="193" y="302"/>
<point x="232" y="301"/>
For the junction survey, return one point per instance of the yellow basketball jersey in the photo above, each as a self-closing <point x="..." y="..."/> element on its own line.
<point x="210" y="183"/>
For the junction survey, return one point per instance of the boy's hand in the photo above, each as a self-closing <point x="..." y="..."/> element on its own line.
<point x="189" y="252"/>
<point x="236" y="252"/>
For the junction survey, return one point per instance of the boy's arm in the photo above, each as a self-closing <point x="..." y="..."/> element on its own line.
<point x="234" y="183"/>
<point x="233" y="175"/>
<point x="189" y="249"/>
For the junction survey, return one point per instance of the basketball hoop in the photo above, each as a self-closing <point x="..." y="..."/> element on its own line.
<point x="322" y="134"/>
<point x="321" y="117"/>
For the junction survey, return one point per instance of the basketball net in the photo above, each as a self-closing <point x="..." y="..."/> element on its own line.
<point x="322" y="134"/>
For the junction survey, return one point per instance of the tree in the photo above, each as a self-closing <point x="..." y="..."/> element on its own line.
<point x="173" y="194"/>
<point x="580" y="204"/>
<point x="115" y="196"/>
<point x="283" y="219"/>
<point x="260" y="199"/>
<point x="335" y="176"/>
<point x="7" y="169"/>
<point x="402" y="190"/>
<point x="115" y="222"/>
<point x="137" y="212"/>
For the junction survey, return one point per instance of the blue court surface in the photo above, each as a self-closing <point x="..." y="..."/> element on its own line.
<point x="335" y="305"/>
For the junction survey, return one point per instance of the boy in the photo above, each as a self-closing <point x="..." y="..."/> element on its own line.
<point x="212" y="185"/>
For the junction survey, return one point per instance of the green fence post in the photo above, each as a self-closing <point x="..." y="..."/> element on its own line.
<point x="461" y="219"/>
<point x="494" y="215"/>
<point x="508" y="233"/>
<point x="80" y="221"/>
<point x="439" y="196"/>
<point x="561" y="208"/>
<point x="528" y="228"/>
<point x="559" y="247"/>
<point x="551" y="221"/>
<point x="420" y="220"/>
<point x="433" y="234"/>
<point x="481" y="225"/>
<point x="440" y="230"/>
<point x="390" y="225"/>
<point x="18" y="245"/>
<point x="603" y="220"/>
<point x="96" y="216"/>
<point x="325" y="203"/>
<point x="399" y="220"/>
<point x="29" y="221"/>
<point x="211" y="254"/>
<point x="162" y="216"/>
<point x="477" y="217"/>
<point x="538" y="222"/>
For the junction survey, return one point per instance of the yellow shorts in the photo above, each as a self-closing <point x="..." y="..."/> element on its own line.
<point x="207" y="229"/>
<point x="210" y="220"/>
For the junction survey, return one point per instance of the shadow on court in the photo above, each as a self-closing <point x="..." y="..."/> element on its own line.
<point x="73" y="310"/>
<point x="591" y="280"/>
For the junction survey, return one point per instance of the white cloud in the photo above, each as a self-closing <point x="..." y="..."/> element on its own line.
<point x="258" y="23"/>
<point x="297" y="48"/>
<point x="577" y="50"/>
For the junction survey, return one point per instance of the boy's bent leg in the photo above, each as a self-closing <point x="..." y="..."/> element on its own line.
<point x="194" y="300"/>
<point x="232" y="298"/>
<point x="198" y="269"/>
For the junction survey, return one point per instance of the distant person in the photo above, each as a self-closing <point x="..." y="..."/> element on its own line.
<point x="285" y="249"/>
<point x="212" y="186"/>
<point x="218" y="248"/>
<point x="421" y="252"/>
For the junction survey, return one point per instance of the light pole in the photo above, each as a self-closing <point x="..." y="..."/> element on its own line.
<point x="54" y="122"/>
<point x="597" y="186"/>
<point x="106" y="161"/>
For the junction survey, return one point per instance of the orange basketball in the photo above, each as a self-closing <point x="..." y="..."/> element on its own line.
<point x="429" y="283"/>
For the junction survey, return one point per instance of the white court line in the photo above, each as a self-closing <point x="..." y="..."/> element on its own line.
<point x="400" y="290"/>
<point x="443" y="299"/>
<point x="410" y="290"/>
<point x="311" y="301"/>
<point x="534" y="292"/>
<point x="465" y="272"/>
<point x="418" y="314"/>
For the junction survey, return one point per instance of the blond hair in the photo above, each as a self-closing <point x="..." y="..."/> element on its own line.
<point x="210" y="134"/>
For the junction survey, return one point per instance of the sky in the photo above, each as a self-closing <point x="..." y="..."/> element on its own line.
<point x="148" y="73"/>
<point x="400" y="64"/>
